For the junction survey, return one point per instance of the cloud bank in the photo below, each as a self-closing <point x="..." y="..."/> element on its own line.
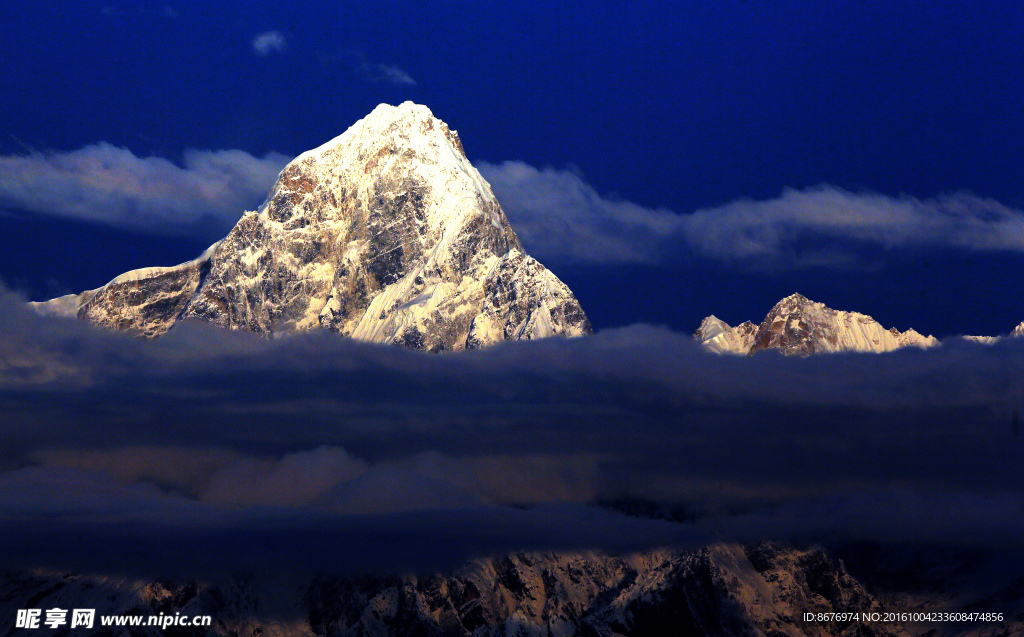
<point x="247" y="446"/>
<point x="559" y="216"/>
<point x="106" y="184"/>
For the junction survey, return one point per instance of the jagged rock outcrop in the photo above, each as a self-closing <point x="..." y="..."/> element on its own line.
<point x="722" y="590"/>
<point x="386" y="233"/>
<point x="799" y="326"/>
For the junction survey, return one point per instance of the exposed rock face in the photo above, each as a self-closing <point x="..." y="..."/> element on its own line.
<point x="799" y="326"/>
<point x="146" y="302"/>
<point x="723" y="590"/>
<point x="1017" y="331"/>
<point x="386" y="233"/>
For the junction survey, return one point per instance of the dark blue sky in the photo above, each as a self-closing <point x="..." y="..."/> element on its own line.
<point x="679" y="106"/>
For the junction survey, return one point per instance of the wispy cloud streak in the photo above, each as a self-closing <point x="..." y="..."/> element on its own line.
<point x="386" y="74"/>
<point x="560" y="216"/>
<point x="106" y="184"/>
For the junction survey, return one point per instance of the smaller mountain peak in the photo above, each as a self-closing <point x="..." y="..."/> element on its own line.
<point x="1018" y="331"/>
<point x="710" y="327"/>
<point x="981" y="340"/>
<point x="913" y="338"/>
<point x="711" y="319"/>
<point x="717" y="336"/>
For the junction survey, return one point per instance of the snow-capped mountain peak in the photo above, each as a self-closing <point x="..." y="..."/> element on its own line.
<point x="800" y="326"/>
<point x="386" y="233"/>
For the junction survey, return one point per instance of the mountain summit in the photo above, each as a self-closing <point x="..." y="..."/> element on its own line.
<point x="386" y="233"/>
<point x="800" y="326"/>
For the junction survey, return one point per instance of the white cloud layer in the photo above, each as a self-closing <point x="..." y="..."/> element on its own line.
<point x="559" y="216"/>
<point x="106" y="184"/>
<point x="269" y="42"/>
<point x="749" y="228"/>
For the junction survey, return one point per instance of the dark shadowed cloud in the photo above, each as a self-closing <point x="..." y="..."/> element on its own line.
<point x="208" y="433"/>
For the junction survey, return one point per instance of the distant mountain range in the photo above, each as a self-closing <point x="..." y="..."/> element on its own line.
<point x="801" y="327"/>
<point x="724" y="590"/>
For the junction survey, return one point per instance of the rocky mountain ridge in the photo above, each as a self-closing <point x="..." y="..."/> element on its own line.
<point x="722" y="590"/>
<point x="798" y="326"/>
<point x="386" y="233"/>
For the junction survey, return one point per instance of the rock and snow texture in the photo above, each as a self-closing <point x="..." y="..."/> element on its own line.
<point x="147" y="302"/>
<point x="386" y="233"/>
<point x="723" y="590"/>
<point x="982" y="340"/>
<point x="716" y="335"/>
<point x="1017" y="332"/>
<point x="799" y="326"/>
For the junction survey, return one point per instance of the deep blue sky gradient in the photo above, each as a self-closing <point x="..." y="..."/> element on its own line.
<point x="680" y="105"/>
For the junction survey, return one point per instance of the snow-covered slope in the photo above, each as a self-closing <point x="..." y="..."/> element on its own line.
<point x="982" y="340"/>
<point x="716" y="335"/>
<point x="386" y="233"/>
<point x="797" y="325"/>
<point x="1017" y="332"/>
